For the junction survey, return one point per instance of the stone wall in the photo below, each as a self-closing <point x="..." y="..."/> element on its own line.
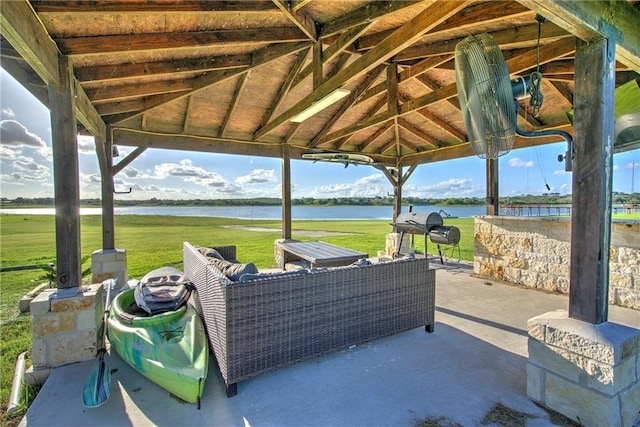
<point x="535" y="252"/>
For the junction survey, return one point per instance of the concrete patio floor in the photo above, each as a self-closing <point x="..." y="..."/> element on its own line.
<point x="475" y="359"/>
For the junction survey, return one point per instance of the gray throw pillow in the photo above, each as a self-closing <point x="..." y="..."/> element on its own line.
<point x="232" y="270"/>
<point x="211" y="253"/>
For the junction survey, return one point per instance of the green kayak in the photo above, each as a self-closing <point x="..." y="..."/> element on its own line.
<point x="169" y="348"/>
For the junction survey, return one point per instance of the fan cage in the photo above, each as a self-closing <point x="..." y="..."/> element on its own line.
<point x="486" y="97"/>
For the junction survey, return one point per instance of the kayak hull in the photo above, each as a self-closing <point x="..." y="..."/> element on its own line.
<point x="170" y="349"/>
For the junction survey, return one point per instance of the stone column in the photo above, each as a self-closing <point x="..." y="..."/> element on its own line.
<point x="588" y="372"/>
<point x="65" y="325"/>
<point x="109" y="264"/>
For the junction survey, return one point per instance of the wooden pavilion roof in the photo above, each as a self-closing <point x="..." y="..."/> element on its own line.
<point x="228" y="76"/>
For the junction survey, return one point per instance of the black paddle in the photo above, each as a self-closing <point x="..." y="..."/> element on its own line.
<point x="97" y="388"/>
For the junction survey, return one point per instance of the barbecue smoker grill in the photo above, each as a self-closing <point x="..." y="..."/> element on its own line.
<point x="426" y="224"/>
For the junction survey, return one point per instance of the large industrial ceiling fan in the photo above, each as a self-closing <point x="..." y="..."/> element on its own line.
<point x="489" y="99"/>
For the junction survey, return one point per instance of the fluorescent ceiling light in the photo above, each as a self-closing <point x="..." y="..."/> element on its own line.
<point x="316" y="107"/>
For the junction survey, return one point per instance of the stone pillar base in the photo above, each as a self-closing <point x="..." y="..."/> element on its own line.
<point x="282" y="257"/>
<point x="393" y="240"/>
<point x="109" y="264"/>
<point x="65" y="325"/>
<point x="589" y="373"/>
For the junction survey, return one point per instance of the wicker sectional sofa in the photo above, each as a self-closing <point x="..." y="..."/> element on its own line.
<point x="262" y="324"/>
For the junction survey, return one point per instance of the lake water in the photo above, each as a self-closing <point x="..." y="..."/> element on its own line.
<point x="267" y="212"/>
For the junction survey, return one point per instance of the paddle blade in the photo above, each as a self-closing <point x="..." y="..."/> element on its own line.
<point x="97" y="388"/>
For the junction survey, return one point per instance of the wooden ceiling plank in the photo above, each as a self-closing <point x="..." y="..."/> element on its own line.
<point x="505" y="38"/>
<point x="584" y="19"/>
<point x="529" y="118"/>
<point x="128" y="6"/>
<point x="562" y="90"/>
<point x="365" y="14"/>
<point x="405" y="124"/>
<point x="353" y="96"/>
<point x="286" y="85"/>
<point x="335" y="48"/>
<point x="234" y="103"/>
<point x="144" y="69"/>
<point x="483" y="13"/>
<point x="402" y="37"/>
<point x="301" y="19"/>
<point x="260" y="57"/>
<point x="114" y="109"/>
<point x="153" y="41"/>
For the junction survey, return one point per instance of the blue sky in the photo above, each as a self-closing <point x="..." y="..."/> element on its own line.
<point x="26" y="168"/>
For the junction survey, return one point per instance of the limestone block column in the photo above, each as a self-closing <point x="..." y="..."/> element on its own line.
<point x="66" y="325"/>
<point x="393" y="241"/>
<point x="588" y="372"/>
<point x="282" y="257"/>
<point x="109" y="264"/>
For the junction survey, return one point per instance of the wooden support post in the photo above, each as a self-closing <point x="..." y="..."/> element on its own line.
<point x="493" y="207"/>
<point x="397" y="194"/>
<point x="592" y="180"/>
<point x="66" y="178"/>
<point x="108" y="222"/>
<point x="286" y="192"/>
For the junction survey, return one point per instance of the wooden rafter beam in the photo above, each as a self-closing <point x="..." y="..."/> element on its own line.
<point x="377" y="134"/>
<point x="299" y="4"/>
<point x="301" y="19"/>
<point x="22" y="28"/>
<point x="515" y="65"/>
<point x="234" y="102"/>
<point x="351" y="99"/>
<point x="465" y="150"/>
<point x="408" y="74"/>
<point x="406" y="125"/>
<point x="260" y="57"/>
<point x="401" y="38"/>
<point x="122" y="92"/>
<point x="338" y="46"/>
<point x="133" y="138"/>
<point x="518" y="37"/>
<point x="127" y="6"/>
<point x="590" y="20"/>
<point x="173" y="67"/>
<point x="153" y="41"/>
<point x="433" y="118"/>
<point x="365" y="14"/>
<point x="286" y="85"/>
<point x="473" y="15"/>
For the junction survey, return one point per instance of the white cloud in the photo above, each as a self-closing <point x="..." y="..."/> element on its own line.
<point x="519" y="163"/>
<point x="8" y="112"/>
<point x="257" y="176"/>
<point x="454" y="187"/>
<point x="86" y="145"/>
<point x="13" y="133"/>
